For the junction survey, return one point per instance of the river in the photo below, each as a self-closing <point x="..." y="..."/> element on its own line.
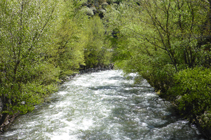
<point x="103" y="106"/>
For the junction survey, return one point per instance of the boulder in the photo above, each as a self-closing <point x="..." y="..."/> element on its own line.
<point x="93" y="9"/>
<point x="87" y="11"/>
<point x="104" y="4"/>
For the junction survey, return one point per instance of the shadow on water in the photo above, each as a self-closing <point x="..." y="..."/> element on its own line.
<point x="97" y="134"/>
<point x="103" y="87"/>
<point x="117" y="78"/>
<point x="125" y="88"/>
<point x="63" y="88"/>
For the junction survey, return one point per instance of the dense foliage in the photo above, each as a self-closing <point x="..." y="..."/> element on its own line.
<point x="168" y="43"/>
<point x="43" y="41"/>
<point x="97" y="49"/>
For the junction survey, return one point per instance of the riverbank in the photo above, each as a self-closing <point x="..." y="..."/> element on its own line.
<point x="8" y="119"/>
<point x="103" y="105"/>
<point x="201" y="125"/>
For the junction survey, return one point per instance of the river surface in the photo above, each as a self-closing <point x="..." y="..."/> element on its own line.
<point x="103" y="106"/>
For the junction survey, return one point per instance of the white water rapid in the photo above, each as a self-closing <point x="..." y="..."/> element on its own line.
<point x="103" y="106"/>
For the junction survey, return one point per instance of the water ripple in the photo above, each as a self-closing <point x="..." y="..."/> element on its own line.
<point x="103" y="106"/>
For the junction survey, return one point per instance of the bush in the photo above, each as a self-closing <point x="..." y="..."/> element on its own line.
<point x="192" y="88"/>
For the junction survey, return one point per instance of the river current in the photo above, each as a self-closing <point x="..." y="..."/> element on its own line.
<point x="103" y="106"/>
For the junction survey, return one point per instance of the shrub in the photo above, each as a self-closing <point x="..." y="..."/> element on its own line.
<point x="192" y="88"/>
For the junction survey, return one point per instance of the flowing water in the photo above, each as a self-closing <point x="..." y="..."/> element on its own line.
<point x="103" y="106"/>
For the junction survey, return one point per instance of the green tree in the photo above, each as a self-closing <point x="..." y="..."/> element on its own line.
<point x="23" y="34"/>
<point x="160" y="38"/>
<point x="70" y="39"/>
<point x="168" y="43"/>
<point x="97" y="50"/>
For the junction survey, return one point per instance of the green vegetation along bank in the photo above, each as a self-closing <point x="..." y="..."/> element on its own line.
<point x="42" y="42"/>
<point x="167" y="42"/>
